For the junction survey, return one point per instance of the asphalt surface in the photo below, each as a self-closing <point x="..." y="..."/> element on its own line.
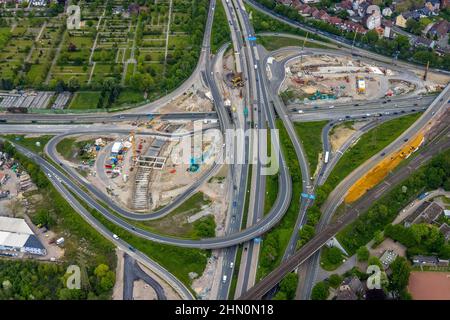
<point x="132" y="273"/>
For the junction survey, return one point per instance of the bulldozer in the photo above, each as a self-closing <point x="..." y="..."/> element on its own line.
<point x="237" y="80"/>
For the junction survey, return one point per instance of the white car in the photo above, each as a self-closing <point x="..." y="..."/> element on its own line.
<point x="224" y="278"/>
<point x="300" y="111"/>
<point x="115" y="236"/>
<point x="331" y="107"/>
<point x="231" y="264"/>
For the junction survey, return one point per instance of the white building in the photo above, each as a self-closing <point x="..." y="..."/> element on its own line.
<point x="16" y="235"/>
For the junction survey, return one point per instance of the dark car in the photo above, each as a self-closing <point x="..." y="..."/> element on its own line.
<point x="384" y="102"/>
<point x="413" y="110"/>
<point x="406" y="139"/>
<point x="356" y="104"/>
<point x="348" y="117"/>
<point x="396" y="112"/>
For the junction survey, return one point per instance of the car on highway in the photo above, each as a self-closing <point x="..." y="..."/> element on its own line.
<point x="316" y="107"/>
<point x="121" y="116"/>
<point x="224" y="278"/>
<point x="406" y="139"/>
<point x="115" y="236"/>
<point x="416" y="104"/>
<point x="403" y="111"/>
<point x="231" y="264"/>
<point x="387" y="112"/>
<point x="356" y="104"/>
<point x="347" y="117"/>
<point x="300" y="111"/>
<point x="384" y="102"/>
<point x="49" y="175"/>
<point x="396" y="112"/>
<point x="413" y="110"/>
<point x="132" y="249"/>
<point x="331" y="107"/>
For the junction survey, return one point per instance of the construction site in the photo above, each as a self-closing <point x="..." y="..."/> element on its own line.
<point x="142" y="171"/>
<point x="324" y="79"/>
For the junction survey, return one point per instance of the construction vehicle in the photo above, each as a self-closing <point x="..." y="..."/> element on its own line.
<point x="237" y="80"/>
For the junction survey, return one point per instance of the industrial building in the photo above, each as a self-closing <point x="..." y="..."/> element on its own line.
<point x="16" y="235"/>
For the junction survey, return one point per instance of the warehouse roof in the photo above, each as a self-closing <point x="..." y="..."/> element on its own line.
<point x="14" y="225"/>
<point x="10" y="239"/>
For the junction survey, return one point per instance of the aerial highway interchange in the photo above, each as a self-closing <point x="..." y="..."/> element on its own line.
<point x="236" y="248"/>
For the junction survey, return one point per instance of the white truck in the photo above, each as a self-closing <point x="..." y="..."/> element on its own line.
<point x="327" y="156"/>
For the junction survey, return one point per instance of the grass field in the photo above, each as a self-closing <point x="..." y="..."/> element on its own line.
<point x="85" y="100"/>
<point x="369" y="144"/>
<point x="29" y="142"/>
<point x="272" y="43"/>
<point x="310" y="134"/>
<point x="276" y="240"/>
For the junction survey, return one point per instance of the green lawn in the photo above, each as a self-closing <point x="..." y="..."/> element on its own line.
<point x="331" y="258"/>
<point x="272" y="43"/>
<point x="276" y="240"/>
<point x="85" y="100"/>
<point x="220" y="33"/>
<point x="30" y="142"/>
<point x="271" y="182"/>
<point x="310" y="134"/>
<point x="369" y="144"/>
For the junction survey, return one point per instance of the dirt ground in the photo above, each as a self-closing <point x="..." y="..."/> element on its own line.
<point x="340" y="134"/>
<point x="429" y="285"/>
<point x="142" y="291"/>
<point x="189" y="102"/>
<point x="118" y="286"/>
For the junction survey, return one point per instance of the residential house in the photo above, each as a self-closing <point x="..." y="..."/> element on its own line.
<point x="307" y="11"/>
<point x="387" y="12"/>
<point x="310" y="1"/>
<point x="323" y="15"/>
<point x="445" y="230"/>
<point x="433" y="5"/>
<point x="388" y="33"/>
<point x="429" y="261"/>
<point x="400" y="21"/>
<point x="287" y="3"/>
<point x="336" y="21"/>
<point x="296" y="4"/>
<point x="350" y="289"/>
<point x="439" y="29"/>
<point x="3" y="178"/>
<point x="352" y="26"/>
<point x="424" y="42"/>
<point x="372" y="19"/>
<point x="344" y="5"/>
<point x="428" y="211"/>
<point x="315" y="13"/>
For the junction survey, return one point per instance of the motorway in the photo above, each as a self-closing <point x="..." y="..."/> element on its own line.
<point x="311" y="247"/>
<point x="260" y="98"/>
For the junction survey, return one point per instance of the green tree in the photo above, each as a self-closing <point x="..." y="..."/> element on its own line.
<point x="400" y="276"/>
<point x="334" y="255"/>
<point x="362" y="253"/>
<point x="289" y="285"/>
<point x="320" y="291"/>
<point x="374" y="261"/>
<point x="335" y="280"/>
